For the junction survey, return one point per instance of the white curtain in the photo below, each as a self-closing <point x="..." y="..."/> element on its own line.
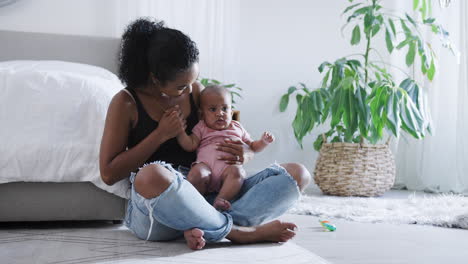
<point x="439" y="162"/>
<point x="212" y="24"/>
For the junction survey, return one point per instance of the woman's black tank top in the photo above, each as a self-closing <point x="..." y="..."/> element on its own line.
<point x="170" y="151"/>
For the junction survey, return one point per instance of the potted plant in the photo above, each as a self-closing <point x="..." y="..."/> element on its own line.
<point x="358" y="100"/>
<point x="232" y="88"/>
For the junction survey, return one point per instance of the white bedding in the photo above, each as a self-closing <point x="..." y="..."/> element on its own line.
<point x="52" y="115"/>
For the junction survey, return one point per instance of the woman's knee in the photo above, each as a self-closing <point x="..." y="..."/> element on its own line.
<point x="152" y="180"/>
<point x="299" y="172"/>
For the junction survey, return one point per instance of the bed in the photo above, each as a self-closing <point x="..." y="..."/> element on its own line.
<point x="25" y="199"/>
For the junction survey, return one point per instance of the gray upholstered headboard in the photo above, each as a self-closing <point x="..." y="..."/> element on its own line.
<point x="99" y="51"/>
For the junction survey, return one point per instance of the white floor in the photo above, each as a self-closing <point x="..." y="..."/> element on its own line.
<point x="352" y="242"/>
<point x="361" y="243"/>
<point x="73" y="242"/>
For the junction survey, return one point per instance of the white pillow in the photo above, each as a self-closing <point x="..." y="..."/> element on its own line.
<point x="52" y="116"/>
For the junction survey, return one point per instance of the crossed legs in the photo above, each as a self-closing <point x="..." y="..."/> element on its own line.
<point x="152" y="180"/>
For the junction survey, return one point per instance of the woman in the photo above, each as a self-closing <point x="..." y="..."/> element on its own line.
<point x="159" y="65"/>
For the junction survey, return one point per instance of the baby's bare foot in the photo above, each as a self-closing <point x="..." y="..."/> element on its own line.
<point x="194" y="238"/>
<point x="275" y="231"/>
<point x="222" y="204"/>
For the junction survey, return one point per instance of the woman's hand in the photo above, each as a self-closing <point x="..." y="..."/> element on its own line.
<point x="237" y="152"/>
<point x="171" y="123"/>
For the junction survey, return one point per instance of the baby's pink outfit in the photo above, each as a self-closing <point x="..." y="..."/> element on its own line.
<point x="207" y="152"/>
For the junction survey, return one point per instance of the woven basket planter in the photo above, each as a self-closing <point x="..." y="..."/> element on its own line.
<point x="352" y="169"/>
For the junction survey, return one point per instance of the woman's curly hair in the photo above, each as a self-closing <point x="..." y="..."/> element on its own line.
<point x="149" y="47"/>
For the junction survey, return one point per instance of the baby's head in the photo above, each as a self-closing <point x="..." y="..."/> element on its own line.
<point x="215" y="106"/>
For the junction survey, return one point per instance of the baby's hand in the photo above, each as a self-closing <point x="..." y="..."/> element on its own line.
<point x="267" y="137"/>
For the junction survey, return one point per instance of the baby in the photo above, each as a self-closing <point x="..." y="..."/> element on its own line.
<point x="215" y="126"/>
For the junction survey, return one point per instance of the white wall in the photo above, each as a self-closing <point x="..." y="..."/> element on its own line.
<point x="83" y="17"/>
<point x="281" y="43"/>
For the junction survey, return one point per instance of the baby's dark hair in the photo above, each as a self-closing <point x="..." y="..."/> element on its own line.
<point x="149" y="47"/>
<point x="218" y="89"/>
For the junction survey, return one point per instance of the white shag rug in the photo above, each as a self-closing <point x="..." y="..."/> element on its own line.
<point x="445" y="210"/>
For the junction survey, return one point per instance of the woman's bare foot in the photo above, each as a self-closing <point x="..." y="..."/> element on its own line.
<point x="221" y="204"/>
<point x="194" y="238"/>
<point x="275" y="231"/>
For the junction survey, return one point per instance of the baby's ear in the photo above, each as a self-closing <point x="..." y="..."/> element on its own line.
<point x="200" y="114"/>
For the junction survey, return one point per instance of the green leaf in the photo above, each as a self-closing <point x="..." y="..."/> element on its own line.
<point x="323" y="65"/>
<point x="337" y="108"/>
<point x="299" y="98"/>
<point x="318" y="143"/>
<point x="415" y="4"/>
<point x="301" y="122"/>
<point x="431" y="71"/>
<point x="425" y="62"/>
<point x="359" y="12"/>
<point x="356" y="35"/>
<point x="421" y="49"/>
<point x="363" y="111"/>
<point x="326" y="111"/>
<point x="410" y="19"/>
<point x="336" y="139"/>
<point x="368" y="19"/>
<point x="377" y="102"/>
<point x="351" y="7"/>
<point x="375" y="29"/>
<point x="236" y="93"/>
<point x="393" y="113"/>
<point x="376" y="24"/>
<point x="423" y="9"/>
<point x="319" y="102"/>
<point x="284" y="102"/>
<point x="389" y="29"/>
<point x="327" y="99"/>
<point x="388" y="41"/>
<point x="412" y="89"/>
<point x="337" y="74"/>
<point x="392" y="26"/>
<point x="404" y="43"/>
<point x="291" y="89"/>
<point x="377" y="76"/>
<point x="411" y="53"/>
<point x="310" y="106"/>
<point x="429" y="20"/>
<point x="325" y="79"/>
<point x="412" y="121"/>
<point x="354" y="64"/>
<point x="309" y="111"/>
<point x="297" y="127"/>
<point x="349" y="115"/>
<point x="405" y="28"/>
